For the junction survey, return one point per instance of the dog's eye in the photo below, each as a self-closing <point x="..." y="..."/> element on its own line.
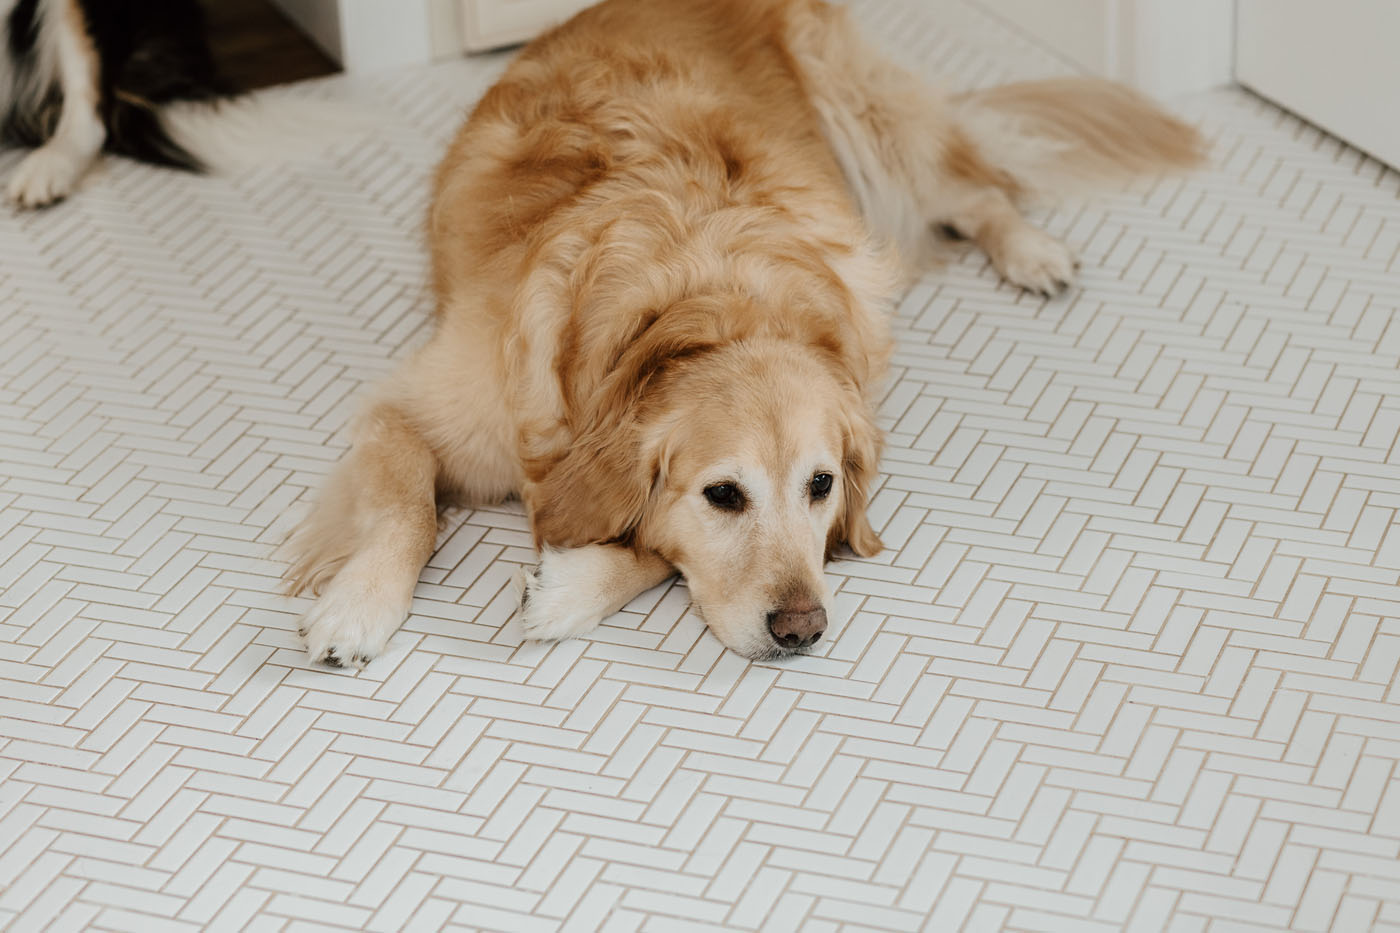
<point x="821" y="485"/>
<point x="725" y="496"/>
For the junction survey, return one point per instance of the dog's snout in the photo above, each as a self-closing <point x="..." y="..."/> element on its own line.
<point x="795" y="629"/>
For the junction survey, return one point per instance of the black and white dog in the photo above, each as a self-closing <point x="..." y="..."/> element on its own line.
<point x="78" y="77"/>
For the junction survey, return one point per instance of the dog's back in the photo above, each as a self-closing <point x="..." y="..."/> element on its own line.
<point x="632" y="100"/>
<point x="643" y="154"/>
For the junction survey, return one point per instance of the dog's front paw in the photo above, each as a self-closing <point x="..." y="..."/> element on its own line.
<point x="46" y="175"/>
<point x="350" y="624"/>
<point x="1036" y="261"/>
<point x="553" y="603"/>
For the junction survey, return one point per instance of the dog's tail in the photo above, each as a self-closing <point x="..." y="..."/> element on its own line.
<point x="1063" y="135"/>
<point x="230" y="134"/>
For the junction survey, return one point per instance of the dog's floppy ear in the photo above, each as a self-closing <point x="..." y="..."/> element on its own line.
<point x="859" y="467"/>
<point x="599" y="490"/>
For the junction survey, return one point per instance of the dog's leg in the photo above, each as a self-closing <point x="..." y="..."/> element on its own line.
<point x="52" y="171"/>
<point x="908" y="162"/>
<point x="1024" y="254"/>
<point x="365" y="544"/>
<point x="571" y="590"/>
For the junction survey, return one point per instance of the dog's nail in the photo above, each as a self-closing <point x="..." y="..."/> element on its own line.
<point x="331" y="660"/>
<point x="525" y="582"/>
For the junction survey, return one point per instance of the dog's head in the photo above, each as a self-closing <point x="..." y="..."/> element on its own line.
<point x="745" y="464"/>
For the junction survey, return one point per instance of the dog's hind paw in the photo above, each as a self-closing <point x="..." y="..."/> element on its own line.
<point x="1036" y="261"/>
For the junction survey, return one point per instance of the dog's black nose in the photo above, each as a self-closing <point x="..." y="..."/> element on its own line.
<point x="794" y="629"/>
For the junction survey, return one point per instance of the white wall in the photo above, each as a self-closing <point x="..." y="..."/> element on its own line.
<point x="374" y="35"/>
<point x="1162" y="47"/>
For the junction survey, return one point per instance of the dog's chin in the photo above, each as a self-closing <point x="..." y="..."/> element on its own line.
<point x="759" y="646"/>
<point x="776" y="652"/>
<point x="752" y="642"/>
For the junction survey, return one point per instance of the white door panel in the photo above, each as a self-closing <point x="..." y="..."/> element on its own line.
<point x="1332" y="63"/>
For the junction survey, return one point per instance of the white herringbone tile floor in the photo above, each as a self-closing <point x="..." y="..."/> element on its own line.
<point x="1129" y="661"/>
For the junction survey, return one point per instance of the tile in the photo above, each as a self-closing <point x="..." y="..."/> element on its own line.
<point x="1128" y="661"/>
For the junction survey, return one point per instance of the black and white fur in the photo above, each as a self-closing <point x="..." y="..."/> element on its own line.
<point x="78" y="77"/>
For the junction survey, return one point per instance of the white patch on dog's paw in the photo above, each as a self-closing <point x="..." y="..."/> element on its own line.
<point x="561" y="596"/>
<point x="47" y="174"/>
<point x="352" y="620"/>
<point x="1036" y="261"/>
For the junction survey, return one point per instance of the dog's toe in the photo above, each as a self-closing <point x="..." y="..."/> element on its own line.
<point x="350" y="624"/>
<point x="1037" y="262"/>
<point x="46" y="175"/>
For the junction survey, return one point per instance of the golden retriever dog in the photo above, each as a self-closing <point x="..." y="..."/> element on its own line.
<point x="664" y="250"/>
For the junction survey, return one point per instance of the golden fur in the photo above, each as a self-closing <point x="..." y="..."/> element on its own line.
<point x="664" y="246"/>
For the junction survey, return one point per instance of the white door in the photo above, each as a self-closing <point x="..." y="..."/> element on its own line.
<point x="1334" y="63"/>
